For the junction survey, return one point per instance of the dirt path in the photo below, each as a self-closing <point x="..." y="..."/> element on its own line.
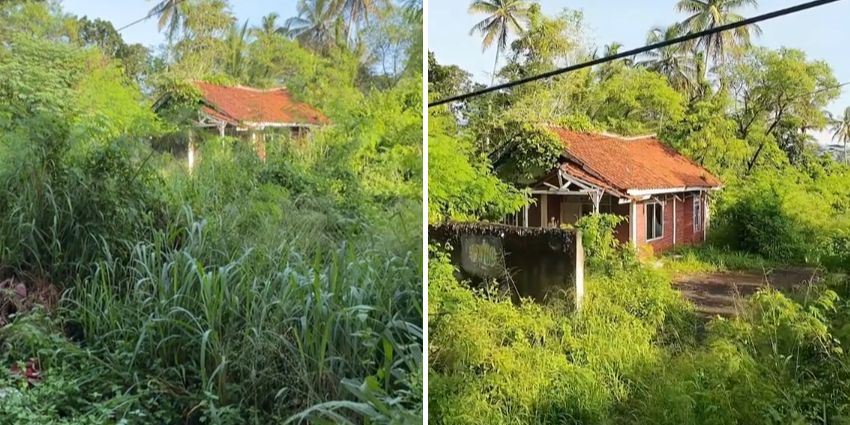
<point x="721" y="293"/>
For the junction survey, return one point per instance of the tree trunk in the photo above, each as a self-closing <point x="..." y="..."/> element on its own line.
<point x="755" y="158"/>
<point x="495" y="64"/>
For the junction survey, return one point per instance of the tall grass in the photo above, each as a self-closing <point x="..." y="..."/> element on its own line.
<point x="258" y="331"/>
<point x="247" y="292"/>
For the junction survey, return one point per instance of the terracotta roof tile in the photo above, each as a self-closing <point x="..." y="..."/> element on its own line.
<point x="244" y="104"/>
<point x="580" y="173"/>
<point x="631" y="163"/>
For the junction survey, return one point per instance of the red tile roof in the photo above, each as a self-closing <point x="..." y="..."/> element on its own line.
<point x="640" y="163"/>
<point x="238" y="105"/>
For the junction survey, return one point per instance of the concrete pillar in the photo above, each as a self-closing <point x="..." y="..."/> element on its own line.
<point x="633" y="223"/>
<point x="525" y="216"/>
<point x="579" y="270"/>
<point x="544" y="210"/>
<point x="191" y="151"/>
<point x="675" y="219"/>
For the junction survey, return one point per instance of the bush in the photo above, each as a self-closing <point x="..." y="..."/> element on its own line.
<point x="492" y="361"/>
<point x="603" y="252"/>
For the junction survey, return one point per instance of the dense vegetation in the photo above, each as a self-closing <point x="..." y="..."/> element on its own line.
<point x="134" y="291"/>
<point x="637" y="353"/>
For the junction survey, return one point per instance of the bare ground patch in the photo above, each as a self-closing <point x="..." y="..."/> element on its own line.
<point x="723" y="293"/>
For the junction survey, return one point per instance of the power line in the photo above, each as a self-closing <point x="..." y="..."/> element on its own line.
<point x="637" y="51"/>
<point x="146" y="17"/>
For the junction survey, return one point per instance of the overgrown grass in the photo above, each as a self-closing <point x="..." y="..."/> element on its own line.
<point x="709" y="258"/>
<point x="637" y="353"/>
<point x="631" y="357"/>
<point x="247" y="292"/>
<point x="271" y="334"/>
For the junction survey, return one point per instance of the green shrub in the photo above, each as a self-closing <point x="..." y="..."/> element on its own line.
<point x="492" y="361"/>
<point x="603" y="252"/>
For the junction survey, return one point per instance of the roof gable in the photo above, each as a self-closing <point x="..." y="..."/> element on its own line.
<point x="238" y="105"/>
<point x="638" y="163"/>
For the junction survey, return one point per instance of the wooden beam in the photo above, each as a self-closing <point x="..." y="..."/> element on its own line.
<point x="596" y="197"/>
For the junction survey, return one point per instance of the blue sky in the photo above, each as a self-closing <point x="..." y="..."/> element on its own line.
<point x="823" y="33"/>
<point x="123" y="12"/>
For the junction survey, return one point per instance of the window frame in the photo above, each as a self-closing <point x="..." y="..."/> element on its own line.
<point x="697" y="214"/>
<point x="648" y="218"/>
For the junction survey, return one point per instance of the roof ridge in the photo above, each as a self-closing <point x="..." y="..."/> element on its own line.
<point x="242" y="87"/>
<point x="628" y="138"/>
<point x="604" y="133"/>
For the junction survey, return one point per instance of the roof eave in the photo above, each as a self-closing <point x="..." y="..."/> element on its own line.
<point x="662" y="191"/>
<point x="279" y="124"/>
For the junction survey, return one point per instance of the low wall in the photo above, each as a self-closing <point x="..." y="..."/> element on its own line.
<point x="531" y="261"/>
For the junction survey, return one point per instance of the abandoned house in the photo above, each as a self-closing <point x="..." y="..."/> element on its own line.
<point x="663" y="195"/>
<point x="250" y="114"/>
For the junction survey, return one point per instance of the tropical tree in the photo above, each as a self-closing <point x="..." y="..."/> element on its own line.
<point x="315" y="25"/>
<point x="356" y="10"/>
<point x="608" y="69"/>
<point x="676" y="62"/>
<point x="504" y="17"/>
<point x="779" y="96"/>
<point x="268" y="26"/>
<point x="413" y="9"/>
<point x="840" y="127"/>
<point x="709" y="14"/>
<point x="202" y="46"/>
<point x="172" y="16"/>
<point x="236" y="63"/>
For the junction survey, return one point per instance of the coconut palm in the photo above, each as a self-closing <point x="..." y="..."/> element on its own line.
<point x="840" y="127"/>
<point x="171" y="16"/>
<point x="609" y="69"/>
<point x="676" y="62"/>
<point x="413" y="9"/>
<point x="268" y="25"/>
<point x="709" y="14"/>
<point x="236" y="63"/>
<point x="314" y="25"/>
<point x="504" y="17"/>
<point x="356" y="10"/>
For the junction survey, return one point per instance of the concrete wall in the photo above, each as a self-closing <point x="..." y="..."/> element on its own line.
<point x="536" y="262"/>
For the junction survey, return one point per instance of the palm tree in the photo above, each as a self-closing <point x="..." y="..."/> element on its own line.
<point x="237" y="41"/>
<point x="268" y="26"/>
<point x="314" y="25"/>
<point x="709" y="14"/>
<point x="503" y="18"/>
<point x="171" y="16"/>
<point x="841" y="130"/>
<point x="609" y="69"/>
<point x="676" y="61"/>
<point x="412" y="10"/>
<point x="356" y="10"/>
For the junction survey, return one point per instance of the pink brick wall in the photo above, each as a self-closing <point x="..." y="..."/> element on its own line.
<point x="685" y="234"/>
<point x="622" y="229"/>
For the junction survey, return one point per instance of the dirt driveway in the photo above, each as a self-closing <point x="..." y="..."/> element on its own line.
<point x="721" y="293"/>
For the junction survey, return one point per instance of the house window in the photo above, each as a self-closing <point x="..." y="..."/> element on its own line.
<point x="697" y="214"/>
<point x="654" y="221"/>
